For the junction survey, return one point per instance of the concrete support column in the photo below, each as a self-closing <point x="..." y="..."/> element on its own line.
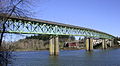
<point x="56" y="45"/>
<point x="104" y="44"/>
<point x="51" y="46"/>
<point x="110" y="43"/>
<point x="89" y="44"/>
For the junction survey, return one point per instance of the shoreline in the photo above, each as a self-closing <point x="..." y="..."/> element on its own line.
<point x="115" y="47"/>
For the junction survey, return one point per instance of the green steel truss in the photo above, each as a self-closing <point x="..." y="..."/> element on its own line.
<point x="33" y="26"/>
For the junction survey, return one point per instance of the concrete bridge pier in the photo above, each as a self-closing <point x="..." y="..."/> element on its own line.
<point x="89" y="44"/>
<point x="51" y="46"/>
<point x="104" y="44"/>
<point x="54" y="46"/>
<point x="110" y="43"/>
<point x="56" y="51"/>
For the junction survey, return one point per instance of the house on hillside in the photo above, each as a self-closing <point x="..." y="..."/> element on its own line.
<point x="71" y="44"/>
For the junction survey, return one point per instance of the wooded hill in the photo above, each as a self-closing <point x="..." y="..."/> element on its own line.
<point x="39" y="42"/>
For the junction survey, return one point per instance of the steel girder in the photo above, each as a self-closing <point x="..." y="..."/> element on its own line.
<point x="33" y="27"/>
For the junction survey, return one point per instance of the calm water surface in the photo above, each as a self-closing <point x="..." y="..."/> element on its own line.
<point x="109" y="57"/>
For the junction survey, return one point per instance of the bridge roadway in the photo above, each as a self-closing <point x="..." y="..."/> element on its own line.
<point x="26" y="25"/>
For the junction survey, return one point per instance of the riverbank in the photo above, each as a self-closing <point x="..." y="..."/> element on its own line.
<point x="47" y="49"/>
<point x="60" y="49"/>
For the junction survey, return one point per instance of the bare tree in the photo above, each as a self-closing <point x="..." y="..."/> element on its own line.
<point x="9" y="8"/>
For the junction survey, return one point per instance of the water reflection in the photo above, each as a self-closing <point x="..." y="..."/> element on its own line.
<point x="54" y="61"/>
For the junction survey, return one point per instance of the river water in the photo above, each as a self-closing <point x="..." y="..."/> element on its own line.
<point x="108" y="57"/>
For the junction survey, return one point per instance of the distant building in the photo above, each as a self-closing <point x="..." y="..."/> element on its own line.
<point x="74" y="44"/>
<point x="71" y="44"/>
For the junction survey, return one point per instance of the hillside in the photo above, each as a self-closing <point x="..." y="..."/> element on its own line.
<point x="38" y="42"/>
